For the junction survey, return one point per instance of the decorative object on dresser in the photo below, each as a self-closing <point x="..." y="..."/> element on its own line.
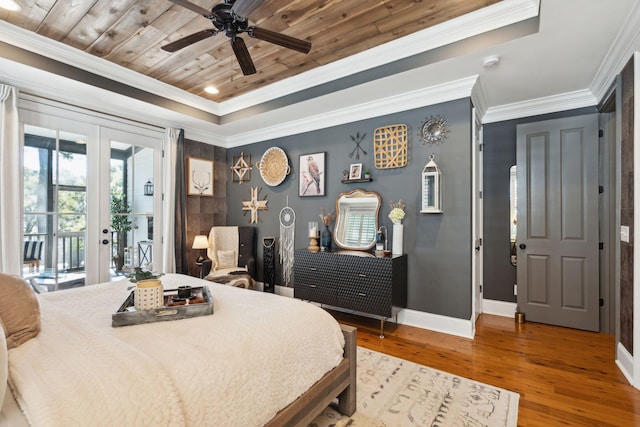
<point x="287" y="240"/>
<point x="434" y="130"/>
<point x="274" y="166"/>
<point x="269" y="264"/>
<point x="325" y="236"/>
<point x="361" y="283"/>
<point x="312" y="176"/>
<point x="356" y="220"/>
<point x="396" y="216"/>
<point x="390" y="147"/>
<point x="431" y="187"/>
<point x="199" y="177"/>
<point x="241" y="169"/>
<point x="313" y="237"/>
<point x="254" y="205"/>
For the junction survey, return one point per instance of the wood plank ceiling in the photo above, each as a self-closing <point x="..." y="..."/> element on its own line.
<point x="131" y="32"/>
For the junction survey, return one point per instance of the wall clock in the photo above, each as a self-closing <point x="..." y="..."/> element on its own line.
<point x="434" y="130"/>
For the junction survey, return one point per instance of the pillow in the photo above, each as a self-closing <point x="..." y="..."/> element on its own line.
<point x="226" y="259"/>
<point x="19" y="310"/>
<point x="4" y="364"/>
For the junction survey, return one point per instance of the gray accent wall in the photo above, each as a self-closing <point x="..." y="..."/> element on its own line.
<point x="438" y="245"/>
<point x="499" y="154"/>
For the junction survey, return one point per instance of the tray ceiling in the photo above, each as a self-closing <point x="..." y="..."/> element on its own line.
<point x="130" y="33"/>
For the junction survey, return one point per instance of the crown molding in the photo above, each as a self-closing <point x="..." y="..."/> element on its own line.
<point x="388" y="105"/>
<point x="625" y="44"/>
<point x="534" y="107"/>
<point x="486" y="19"/>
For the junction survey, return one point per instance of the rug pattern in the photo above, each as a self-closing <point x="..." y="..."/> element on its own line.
<point x="395" y="392"/>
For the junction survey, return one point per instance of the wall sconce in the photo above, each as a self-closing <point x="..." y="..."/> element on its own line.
<point x="431" y="187"/>
<point x="200" y="242"/>
<point x="148" y="188"/>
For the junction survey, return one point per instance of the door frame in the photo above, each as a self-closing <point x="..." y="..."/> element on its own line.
<point x="477" y="217"/>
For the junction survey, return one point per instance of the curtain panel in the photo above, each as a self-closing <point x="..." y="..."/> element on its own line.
<point x="10" y="183"/>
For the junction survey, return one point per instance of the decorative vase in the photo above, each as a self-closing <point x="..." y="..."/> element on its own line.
<point x="325" y="239"/>
<point x="148" y="294"/>
<point x="396" y="246"/>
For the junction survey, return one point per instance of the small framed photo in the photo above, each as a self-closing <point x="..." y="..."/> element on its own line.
<point x="312" y="175"/>
<point x="355" y="171"/>
<point x="199" y="177"/>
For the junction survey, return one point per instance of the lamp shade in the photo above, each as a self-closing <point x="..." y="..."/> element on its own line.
<point x="200" y="242"/>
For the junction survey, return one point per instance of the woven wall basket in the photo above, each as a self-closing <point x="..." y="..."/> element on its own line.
<point x="274" y="166"/>
<point x="390" y="147"/>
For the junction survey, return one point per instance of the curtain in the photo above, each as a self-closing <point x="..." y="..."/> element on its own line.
<point x="10" y="176"/>
<point x="182" y="260"/>
<point x="168" y="204"/>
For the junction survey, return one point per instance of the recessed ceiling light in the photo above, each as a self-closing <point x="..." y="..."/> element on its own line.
<point x="491" y="61"/>
<point x="10" y="5"/>
<point x="211" y="89"/>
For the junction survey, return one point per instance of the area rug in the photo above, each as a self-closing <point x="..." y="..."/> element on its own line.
<point x="392" y="392"/>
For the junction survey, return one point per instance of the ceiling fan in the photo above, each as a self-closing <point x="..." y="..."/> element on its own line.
<point x="230" y="18"/>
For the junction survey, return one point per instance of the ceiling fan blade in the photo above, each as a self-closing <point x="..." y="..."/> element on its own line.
<point x="242" y="54"/>
<point x="280" y="39"/>
<point x="188" y="40"/>
<point x="194" y="7"/>
<point x="244" y="8"/>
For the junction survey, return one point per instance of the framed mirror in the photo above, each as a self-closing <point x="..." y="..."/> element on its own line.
<point x="356" y="220"/>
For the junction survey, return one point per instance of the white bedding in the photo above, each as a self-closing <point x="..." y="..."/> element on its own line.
<point x="238" y="367"/>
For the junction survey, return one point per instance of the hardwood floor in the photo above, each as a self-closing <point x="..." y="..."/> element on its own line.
<point x="565" y="377"/>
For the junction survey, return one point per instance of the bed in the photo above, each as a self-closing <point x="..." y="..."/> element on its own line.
<point x="260" y="359"/>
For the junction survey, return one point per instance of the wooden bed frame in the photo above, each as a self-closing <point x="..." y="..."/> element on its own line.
<point x="340" y="382"/>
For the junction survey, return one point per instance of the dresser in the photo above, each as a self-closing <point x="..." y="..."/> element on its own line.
<point x="364" y="284"/>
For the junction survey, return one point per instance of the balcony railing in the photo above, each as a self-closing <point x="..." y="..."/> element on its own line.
<point x="71" y="250"/>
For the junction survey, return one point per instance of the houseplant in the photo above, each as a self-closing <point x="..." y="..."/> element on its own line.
<point x="121" y="224"/>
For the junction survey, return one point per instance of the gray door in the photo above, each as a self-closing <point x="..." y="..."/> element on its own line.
<point x="558" y="222"/>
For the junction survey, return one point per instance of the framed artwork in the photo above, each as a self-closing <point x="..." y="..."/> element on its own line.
<point x="312" y="175"/>
<point x="355" y="171"/>
<point x="199" y="177"/>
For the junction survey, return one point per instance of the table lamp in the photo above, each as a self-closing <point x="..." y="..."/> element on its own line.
<point x="200" y="242"/>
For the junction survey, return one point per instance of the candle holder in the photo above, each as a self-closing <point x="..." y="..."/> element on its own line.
<point x="313" y="237"/>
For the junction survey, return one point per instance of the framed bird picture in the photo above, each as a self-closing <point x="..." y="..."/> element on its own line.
<point x="312" y="175"/>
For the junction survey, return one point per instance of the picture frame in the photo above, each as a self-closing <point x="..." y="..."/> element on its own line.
<point x="311" y="174"/>
<point x="199" y="177"/>
<point x="355" y="171"/>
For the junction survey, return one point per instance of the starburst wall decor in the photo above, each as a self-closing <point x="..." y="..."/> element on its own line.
<point x="254" y="205"/>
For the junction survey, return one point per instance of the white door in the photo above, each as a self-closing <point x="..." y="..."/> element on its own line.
<point x="477" y="218"/>
<point x="69" y="170"/>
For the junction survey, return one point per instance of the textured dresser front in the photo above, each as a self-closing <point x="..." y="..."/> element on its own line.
<point x="366" y="284"/>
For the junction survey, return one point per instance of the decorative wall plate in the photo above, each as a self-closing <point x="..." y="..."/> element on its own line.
<point x="390" y="147"/>
<point x="274" y="166"/>
<point x="434" y="130"/>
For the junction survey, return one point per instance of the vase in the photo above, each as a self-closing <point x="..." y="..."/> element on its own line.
<point x="396" y="245"/>
<point x="148" y="294"/>
<point x="325" y="239"/>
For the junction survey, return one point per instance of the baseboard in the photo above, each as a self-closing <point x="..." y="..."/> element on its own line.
<point x="499" y="308"/>
<point x="435" y="322"/>
<point x="624" y="360"/>
<point x="284" y="291"/>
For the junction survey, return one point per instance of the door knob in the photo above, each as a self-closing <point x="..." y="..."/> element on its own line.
<point x="105" y="230"/>
<point x="522" y="246"/>
<point x="105" y="241"/>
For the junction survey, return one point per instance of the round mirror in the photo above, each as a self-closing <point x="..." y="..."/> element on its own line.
<point x="356" y="220"/>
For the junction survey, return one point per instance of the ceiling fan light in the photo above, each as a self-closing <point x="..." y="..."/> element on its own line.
<point x="10" y="5"/>
<point x="211" y="90"/>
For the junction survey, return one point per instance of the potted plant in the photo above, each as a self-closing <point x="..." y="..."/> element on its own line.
<point x="121" y="224"/>
<point x="367" y="175"/>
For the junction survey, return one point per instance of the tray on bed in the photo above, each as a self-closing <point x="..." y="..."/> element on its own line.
<point x="201" y="305"/>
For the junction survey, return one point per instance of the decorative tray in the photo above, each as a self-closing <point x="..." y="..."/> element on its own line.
<point x="274" y="166"/>
<point x="200" y="304"/>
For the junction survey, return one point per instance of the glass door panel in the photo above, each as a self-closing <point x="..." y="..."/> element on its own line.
<point x="55" y="207"/>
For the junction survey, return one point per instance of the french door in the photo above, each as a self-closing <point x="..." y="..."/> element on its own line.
<point x="90" y="200"/>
